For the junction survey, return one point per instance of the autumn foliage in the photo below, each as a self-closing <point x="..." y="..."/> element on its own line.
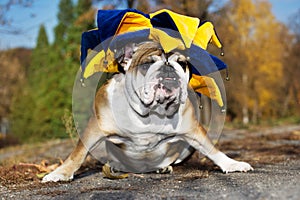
<point x="261" y="52"/>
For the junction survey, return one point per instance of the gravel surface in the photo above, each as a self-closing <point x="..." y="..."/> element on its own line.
<point x="274" y="153"/>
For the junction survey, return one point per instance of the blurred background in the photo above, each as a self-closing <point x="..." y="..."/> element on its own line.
<point x="40" y="49"/>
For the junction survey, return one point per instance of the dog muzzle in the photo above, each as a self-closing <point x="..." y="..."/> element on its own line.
<point x="164" y="83"/>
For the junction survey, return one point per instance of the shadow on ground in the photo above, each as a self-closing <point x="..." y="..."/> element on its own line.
<point x="273" y="152"/>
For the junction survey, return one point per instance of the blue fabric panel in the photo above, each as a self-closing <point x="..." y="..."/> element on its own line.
<point x="89" y="40"/>
<point x="219" y="63"/>
<point x="163" y="20"/>
<point x="202" y="62"/>
<point x="108" y="21"/>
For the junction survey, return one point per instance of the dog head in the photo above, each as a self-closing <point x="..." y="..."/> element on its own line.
<point x="155" y="81"/>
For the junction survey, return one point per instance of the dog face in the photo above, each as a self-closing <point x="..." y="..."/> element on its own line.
<point x="157" y="79"/>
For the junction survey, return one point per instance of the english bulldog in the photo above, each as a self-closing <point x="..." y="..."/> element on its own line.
<point x="145" y="119"/>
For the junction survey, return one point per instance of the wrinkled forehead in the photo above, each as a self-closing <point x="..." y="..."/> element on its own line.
<point x="151" y="52"/>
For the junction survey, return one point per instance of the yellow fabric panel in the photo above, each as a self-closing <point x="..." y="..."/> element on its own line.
<point x="207" y="86"/>
<point x="97" y="64"/>
<point x="133" y="22"/>
<point x="130" y="22"/>
<point x="206" y="34"/>
<point x="167" y="42"/>
<point x="187" y="26"/>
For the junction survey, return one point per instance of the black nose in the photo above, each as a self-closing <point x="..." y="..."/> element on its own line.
<point x="168" y="77"/>
<point x="167" y="71"/>
<point x="167" y="68"/>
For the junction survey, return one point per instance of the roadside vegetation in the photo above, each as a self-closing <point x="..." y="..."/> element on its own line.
<point x="261" y="52"/>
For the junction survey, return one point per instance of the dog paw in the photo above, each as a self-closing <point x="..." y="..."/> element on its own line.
<point x="236" y="166"/>
<point x="165" y="170"/>
<point x="56" y="176"/>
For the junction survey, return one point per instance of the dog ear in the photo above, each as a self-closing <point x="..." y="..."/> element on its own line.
<point x="124" y="56"/>
<point x="128" y="51"/>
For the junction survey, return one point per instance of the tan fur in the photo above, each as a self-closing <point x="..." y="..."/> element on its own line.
<point x="144" y="52"/>
<point x="104" y="124"/>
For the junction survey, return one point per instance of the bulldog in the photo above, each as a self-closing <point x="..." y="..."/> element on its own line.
<point x="145" y="119"/>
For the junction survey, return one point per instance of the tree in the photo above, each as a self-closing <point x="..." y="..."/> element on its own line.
<point x="251" y="34"/>
<point x="82" y="7"/>
<point x="30" y="112"/>
<point x="143" y="6"/>
<point x="41" y="50"/>
<point x="13" y="66"/>
<point x="25" y="116"/>
<point x="84" y="15"/>
<point x="39" y="108"/>
<point x="195" y="8"/>
<point x="42" y="39"/>
<point x="294" y="24"/>
<point x="292" y="67"/>
<point x="65" y="17"/>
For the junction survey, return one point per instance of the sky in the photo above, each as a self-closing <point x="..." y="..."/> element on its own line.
<point x="25" y="21"/>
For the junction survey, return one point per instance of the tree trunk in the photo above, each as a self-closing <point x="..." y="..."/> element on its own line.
<point x="130" y="3"/>
<point x="245" y="109"/>
<point x="286" y="102"/>
<point x="255" y="111"/>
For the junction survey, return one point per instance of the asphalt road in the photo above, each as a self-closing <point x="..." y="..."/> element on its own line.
<point x="279" y="181"/>
<point x="276" y="175"/>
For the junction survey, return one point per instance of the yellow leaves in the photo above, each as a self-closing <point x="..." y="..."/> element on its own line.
<point x="242" y="15"/>
<point x="44" y="168"/>
<point x="107" y="173"/>
<point x="266" y="97"/>
<point x="254" y="49"/>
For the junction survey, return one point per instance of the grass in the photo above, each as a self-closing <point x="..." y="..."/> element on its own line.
<point x="68" y="122"/>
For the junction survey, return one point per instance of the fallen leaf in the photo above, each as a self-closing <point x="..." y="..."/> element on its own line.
<point x="41" y="175"/>
<point x="43" y="167"/>
<point x="107" y="173"/>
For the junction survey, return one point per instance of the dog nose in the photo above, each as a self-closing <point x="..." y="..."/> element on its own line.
<point x="167" y="71"/>
<point x="167" y="68"/>
<point x="168" y="77"/>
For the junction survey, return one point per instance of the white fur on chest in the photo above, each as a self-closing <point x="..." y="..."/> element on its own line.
<point x="127" y="121"/>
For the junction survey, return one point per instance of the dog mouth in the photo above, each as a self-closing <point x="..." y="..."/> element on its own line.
<point x="168" y="86"/>
<point x="164" y="86"/>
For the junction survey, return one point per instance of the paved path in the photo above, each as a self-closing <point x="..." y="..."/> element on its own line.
<point x="275" y="157"/>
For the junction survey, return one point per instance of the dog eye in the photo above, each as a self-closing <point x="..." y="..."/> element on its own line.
<point x="143" y="68"/>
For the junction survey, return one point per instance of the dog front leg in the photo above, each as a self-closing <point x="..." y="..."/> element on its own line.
<point x="65" y="172"/>
<point x="202" y="143"/>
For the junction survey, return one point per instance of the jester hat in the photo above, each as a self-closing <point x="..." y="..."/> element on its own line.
<point x="171" y="30"/>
